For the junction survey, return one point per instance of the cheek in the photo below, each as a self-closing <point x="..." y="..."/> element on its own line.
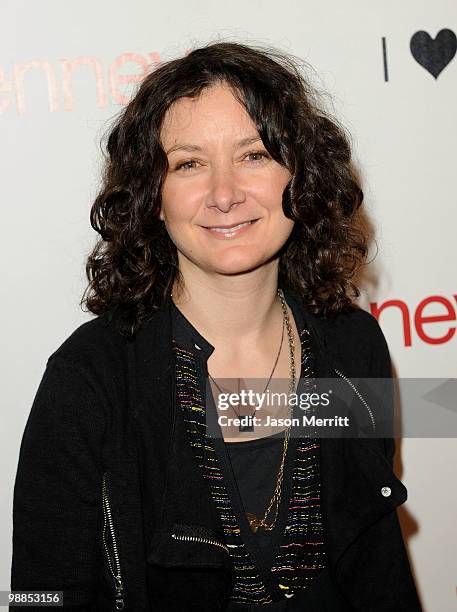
<point x="271" y="192"/>
<point x="178" y="203"/>
<point x="284" y="228"/>
<point x="171" y="210"/>
<point x="171" y="196"/>
<point x="177" y="218"/>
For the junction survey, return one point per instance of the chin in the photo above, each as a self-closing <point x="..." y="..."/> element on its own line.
<point x="235" y="265"/>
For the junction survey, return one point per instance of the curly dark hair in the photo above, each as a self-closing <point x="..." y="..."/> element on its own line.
<point x="132" y="267"/>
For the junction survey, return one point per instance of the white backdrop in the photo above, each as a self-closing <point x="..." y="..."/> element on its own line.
<point x="66" y="68"/>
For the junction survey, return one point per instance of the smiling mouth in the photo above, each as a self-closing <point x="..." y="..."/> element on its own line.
<point x="228" y="229"/>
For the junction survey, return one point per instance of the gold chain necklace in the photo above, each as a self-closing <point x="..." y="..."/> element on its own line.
<point x="255" y="522"/>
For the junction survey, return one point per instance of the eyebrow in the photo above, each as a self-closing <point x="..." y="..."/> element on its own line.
<point x="190" y="147"/>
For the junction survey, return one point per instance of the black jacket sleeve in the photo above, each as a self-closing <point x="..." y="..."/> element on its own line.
<point x="379" y="559"/>
<point x="381" y="367"/>
<point x="57" y="508"/>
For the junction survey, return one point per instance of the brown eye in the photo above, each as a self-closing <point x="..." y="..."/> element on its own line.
<point x="262" y="154"/>
<point x="184" y="165"/>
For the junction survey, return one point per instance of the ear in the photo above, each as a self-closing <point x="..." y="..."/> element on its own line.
<point x="161" y="215"/>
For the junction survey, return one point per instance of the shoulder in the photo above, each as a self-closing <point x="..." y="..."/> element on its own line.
<point x="93" y="345"/>
<point x="356" y="339"/>
<point x="354" y="324"/>
<point x="371" y="335"/>
<point x="355" y="317"/>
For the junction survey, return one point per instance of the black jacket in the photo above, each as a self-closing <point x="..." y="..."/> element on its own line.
<point x="106" y="476"/>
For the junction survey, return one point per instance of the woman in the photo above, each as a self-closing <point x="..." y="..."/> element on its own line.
<point x="227" y="244"/>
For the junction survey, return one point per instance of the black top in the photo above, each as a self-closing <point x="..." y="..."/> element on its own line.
<point x="255" y="464"/>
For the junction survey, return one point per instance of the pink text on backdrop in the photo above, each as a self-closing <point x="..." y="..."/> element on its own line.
<point x="59" y="80"/>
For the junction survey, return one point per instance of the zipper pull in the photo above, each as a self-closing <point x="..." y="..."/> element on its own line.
<point x="119" y="599"/>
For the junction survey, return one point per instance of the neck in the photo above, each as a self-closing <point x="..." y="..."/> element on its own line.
<point x="237" y="312"/>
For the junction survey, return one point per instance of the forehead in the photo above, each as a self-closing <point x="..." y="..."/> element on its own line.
<point x="215" y="113"/>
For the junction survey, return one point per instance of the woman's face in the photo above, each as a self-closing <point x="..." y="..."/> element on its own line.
<point x="220" y="175"/>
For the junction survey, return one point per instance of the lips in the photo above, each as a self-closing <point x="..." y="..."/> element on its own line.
<point x="230" y="232"/>
<point x="228" y="227"/>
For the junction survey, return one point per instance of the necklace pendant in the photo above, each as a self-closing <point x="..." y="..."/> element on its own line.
<point x="254" y="522"/>
<point x="247" y="424"/>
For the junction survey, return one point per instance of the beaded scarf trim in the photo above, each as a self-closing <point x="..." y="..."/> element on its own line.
<point x="301" y="554"/>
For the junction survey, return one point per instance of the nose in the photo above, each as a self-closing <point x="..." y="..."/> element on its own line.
<point x="224" y="190"/>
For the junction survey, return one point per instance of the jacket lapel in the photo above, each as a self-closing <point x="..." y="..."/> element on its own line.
<point x="176" y="500"/>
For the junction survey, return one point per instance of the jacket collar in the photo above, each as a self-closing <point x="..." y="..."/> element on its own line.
<point x="353" y="471"/>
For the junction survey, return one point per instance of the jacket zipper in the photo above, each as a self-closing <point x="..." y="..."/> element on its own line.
<point x="189" y="538"/>
<point x="359" y="395"/>
<point x="115" y="568"/>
